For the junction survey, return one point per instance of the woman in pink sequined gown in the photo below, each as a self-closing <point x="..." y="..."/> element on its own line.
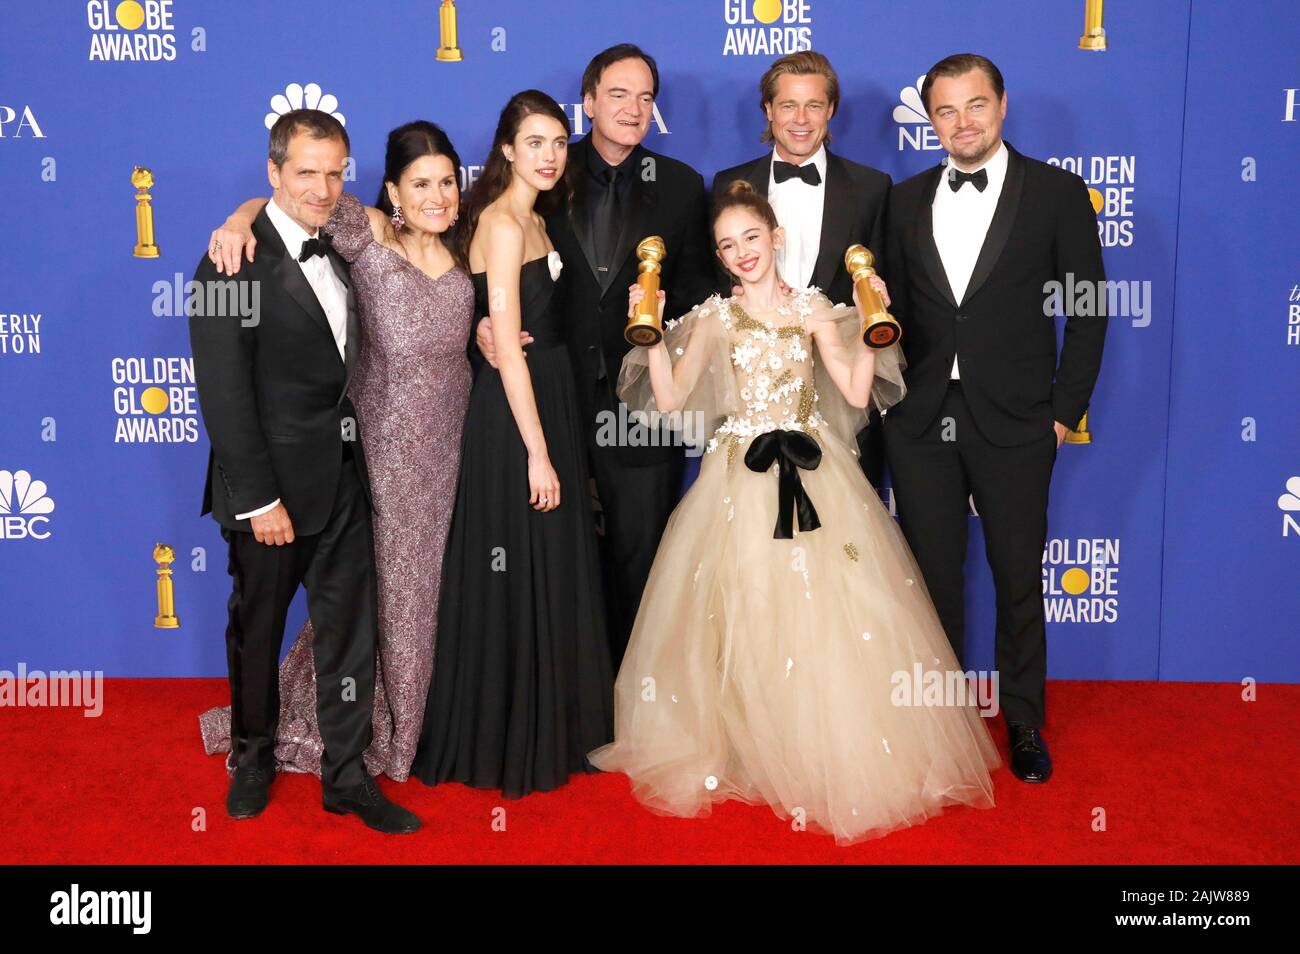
<point x="411" y="389"/>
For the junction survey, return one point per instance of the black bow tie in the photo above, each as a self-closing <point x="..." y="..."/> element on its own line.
<point x="315" y="246"/>
<point x="978" y="179"/>
<point x="788" y="170"/>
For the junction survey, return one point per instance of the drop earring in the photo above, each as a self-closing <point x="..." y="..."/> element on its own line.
<point x="398" y="220"/>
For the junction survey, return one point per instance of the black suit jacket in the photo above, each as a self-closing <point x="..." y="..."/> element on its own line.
<point x="667" y="198"/>
<point x="1043" y="228"/>
<point x="857" y="197"/>
<point x="273" y="395"/>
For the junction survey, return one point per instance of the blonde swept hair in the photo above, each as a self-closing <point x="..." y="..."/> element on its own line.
<point x="803" y="63"/>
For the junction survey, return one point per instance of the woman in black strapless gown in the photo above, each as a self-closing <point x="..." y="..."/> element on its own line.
<point x="522" y="683"/>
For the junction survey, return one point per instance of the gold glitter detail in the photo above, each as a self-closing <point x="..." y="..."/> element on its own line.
<point x="852" y="552"/>
<point x="790" y="331"/>
<point x="782" y="379"/>
<point x="731" y="449"/>
<point x="805" y="405"/>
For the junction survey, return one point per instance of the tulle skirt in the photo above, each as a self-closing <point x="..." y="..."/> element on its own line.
<point x="784" y="671"/>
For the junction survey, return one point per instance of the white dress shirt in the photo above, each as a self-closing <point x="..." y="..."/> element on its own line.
<point x="330" y="292"/>
<point x="961" y="220"/>
<point x="798" y="207"/>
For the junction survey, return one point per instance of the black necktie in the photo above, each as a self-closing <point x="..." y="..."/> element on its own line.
<point x="978" y="179"/>
<point x="314" y="246"/>
<point x="606" y="218"/>
<point x="788" y="170"/>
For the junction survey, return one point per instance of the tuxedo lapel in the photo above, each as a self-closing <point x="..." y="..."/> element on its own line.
<point x="759" y="174"/>
<point x="925" y="237"/>
<point x="288" y="274"/>
<point x="1000" y="228"/>
<point x="352" y="344"/>
<point x="579" y="218"/>
<point x="837" y="222"/>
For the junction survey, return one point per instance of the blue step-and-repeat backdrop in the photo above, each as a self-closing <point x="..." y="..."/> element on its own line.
<point x="1175" y="535"/>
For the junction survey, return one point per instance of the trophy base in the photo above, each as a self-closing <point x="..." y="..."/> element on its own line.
<point x="449" y="54"/>
<point x="643" y="336"/>
<point x="146" y="251"/>
<point x="166" y="622"/>
<point x="1074" y="437"/>
<point x="1091" y="41"/>
<point x="881" y="334"/>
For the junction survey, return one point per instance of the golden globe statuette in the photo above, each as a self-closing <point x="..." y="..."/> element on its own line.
<point x="644" y="328"/>
<point x="880" y="329"/>
<point x="166" y="619"/>
<point x="142" y="179"/>
<point x="1094" y="34"/>
<point x="1081" y="434"/>
<point x="448" y="51"/>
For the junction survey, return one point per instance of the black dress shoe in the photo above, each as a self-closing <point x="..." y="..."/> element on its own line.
<point x="1029" y="758"/>
<point x="250" y="790"/>
<point x="367" y="801"/>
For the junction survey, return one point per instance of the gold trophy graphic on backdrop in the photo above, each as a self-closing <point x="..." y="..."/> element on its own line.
<point x="1081" y="434"/>
<point x="166" y="619"/>
<point x="1094" y="34"/>
<point x="448" y="51"/>
<point x="880" y="329"/>
<point x="142" y="179"/>
<point x="644" y="328"/>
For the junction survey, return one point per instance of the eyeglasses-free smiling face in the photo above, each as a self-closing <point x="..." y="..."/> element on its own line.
<point x="428" y="194"/>
<point x="310" y="182"/>
<point x="623" y="105"/>
<point x="745" y="245"/>
<point x="799" y="113"/>
<point x="967" y="116"/>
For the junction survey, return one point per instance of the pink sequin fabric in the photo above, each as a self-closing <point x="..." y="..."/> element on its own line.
<point x="411" y="389"/>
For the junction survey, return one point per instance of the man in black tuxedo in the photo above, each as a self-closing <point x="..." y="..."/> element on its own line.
<point x="287" y="476"/>
<point x="824" y="202"/>
<point x="973" y="247"/>
<point x="623" y="193"/>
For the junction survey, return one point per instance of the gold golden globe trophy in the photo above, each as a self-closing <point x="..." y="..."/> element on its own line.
<point x="880" y="329"/>
<point x="448" y="51"/>
<point x="1094" y="34"/>
<point x="1081" y="434"/>
<point x="644" y="328"/>
<point x="166" y="619"/>
<point x="142" y="179"/>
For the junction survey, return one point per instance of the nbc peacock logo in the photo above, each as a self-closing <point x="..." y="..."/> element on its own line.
<point x="296" y="96"/>
<point x="767" y="27"/>
<point x="25" y="506"/>
<point x="1289" y="504"/>
<point x="914" y="129"/>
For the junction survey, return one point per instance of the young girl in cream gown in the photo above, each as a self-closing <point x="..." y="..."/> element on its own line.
<point x="784" y="612"/>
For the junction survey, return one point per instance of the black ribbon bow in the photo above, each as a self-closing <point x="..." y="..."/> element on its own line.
<point x="788" y="170"/>
<point x="790" y="450"/>
<point x="978" y="179"/>
<point x="314" y="246"/>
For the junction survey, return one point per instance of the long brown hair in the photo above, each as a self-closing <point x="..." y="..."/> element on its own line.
<point x="495" y="178"/>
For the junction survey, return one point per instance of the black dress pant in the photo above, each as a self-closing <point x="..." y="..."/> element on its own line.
<point x="636" y="502"/>
<point x="871" y="449"/>
<point x="337" y="567"/>
<point x="933" y="477"/>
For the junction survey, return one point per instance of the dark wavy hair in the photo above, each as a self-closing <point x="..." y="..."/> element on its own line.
<point x="495" y="177"/>
<point x="405" y="145"/>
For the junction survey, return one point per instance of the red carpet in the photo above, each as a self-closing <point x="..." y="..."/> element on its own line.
<point x="1185" y="772"/>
